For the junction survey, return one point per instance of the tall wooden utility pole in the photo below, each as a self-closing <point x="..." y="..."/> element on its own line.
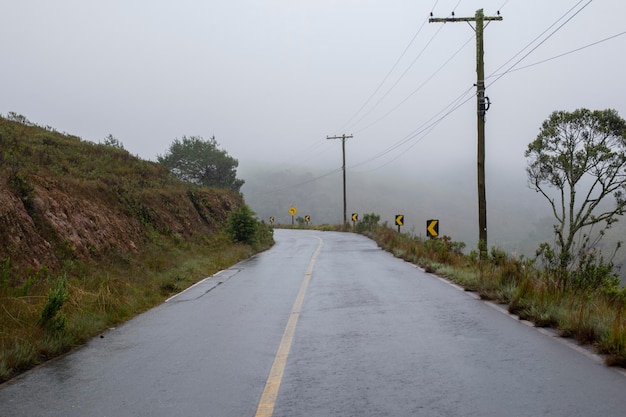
<point x="343" y="167"/>
<point x="482" y="106"/>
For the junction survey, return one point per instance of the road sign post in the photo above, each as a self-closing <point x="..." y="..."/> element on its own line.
<point x="293" y="211"/>
<point x="355" y="218"/>
<point x="432" y="228"/>
<point x="399" y="221"/>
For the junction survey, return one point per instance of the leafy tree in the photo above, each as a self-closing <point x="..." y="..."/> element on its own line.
<point x="113" y="142"/>
<point x="582" y="156"/>
<point x="202" y="162"/>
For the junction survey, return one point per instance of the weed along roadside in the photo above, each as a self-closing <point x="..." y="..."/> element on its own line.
<point x="94" y="236"/>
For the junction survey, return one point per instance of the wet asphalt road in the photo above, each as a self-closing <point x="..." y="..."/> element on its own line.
<point x="375" y="336"/>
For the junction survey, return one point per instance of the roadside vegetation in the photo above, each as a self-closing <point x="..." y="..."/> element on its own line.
<point x="92" y="236"/>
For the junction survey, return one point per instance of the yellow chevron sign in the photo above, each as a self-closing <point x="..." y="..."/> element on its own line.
<point x="400" y="219"/>
<point x="432" y="228"/>
<point x="355" y="217"/>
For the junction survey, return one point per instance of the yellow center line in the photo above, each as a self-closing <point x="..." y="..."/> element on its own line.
<point x="270" y="392"/>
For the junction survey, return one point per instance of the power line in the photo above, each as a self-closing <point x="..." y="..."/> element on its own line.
<point x="433" y="121"/>
<point x="385" y="78"/>
<point x="455" y="7"/>
<point x="563" y="54"/>
<point x="418" y="88"/>
<point x="503" y="4"/>
<point x="369" y="99"/>
<point x="423" y="130"/>
<point x="318" y="143"/>
<point x="543" y="41"/>
<point x="299" y="184"/>
<point x="397" y="81"/>
<point x="423" y="84"/>
<point x="430" y="123"/>
<point x="539" y="36"/>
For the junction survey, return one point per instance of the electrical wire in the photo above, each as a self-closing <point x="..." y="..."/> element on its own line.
<point x="417" y="89"/>
<point x="383" y="81"/>
<point x="398" y="80"/>
<point x="542" y="42"/>
<point x="434" y="120"/>
<point x="425" y="129"/>
<point x="377" y="89"/>
<point x="539" y="36"/>
<point x="455" y="7"/>
<point x="427" y="125"/>
<point x="299" y="184"/>
<point x="425" y="82"/>
<point x="564" y="54"/>
<point x="503" y="5"/>
<point x="429" y="129"/>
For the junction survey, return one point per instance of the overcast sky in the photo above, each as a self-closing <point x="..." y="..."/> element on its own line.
<point x="272" y="78"/>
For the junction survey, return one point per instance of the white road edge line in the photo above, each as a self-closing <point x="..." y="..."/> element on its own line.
<point x="194" y="285"/>
<point x="564" y="341"/>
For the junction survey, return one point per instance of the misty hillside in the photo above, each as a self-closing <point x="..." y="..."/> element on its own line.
<point x="62" y="198"/>
<point x="518" y="218"/>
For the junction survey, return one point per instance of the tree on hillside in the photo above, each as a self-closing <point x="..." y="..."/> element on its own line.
<point x="202" y="162"/>
<point x="582" y="156"/>
<point x="113" y="142"/>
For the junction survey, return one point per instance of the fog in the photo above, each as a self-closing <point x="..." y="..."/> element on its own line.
<point x="272" y="79"/>
<point x="518" y="220"/>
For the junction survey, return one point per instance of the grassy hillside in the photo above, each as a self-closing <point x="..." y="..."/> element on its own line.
<point x="92" y="235"/>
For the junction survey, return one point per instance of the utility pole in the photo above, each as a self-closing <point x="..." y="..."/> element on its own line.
<point x="343" y="167"/>
<point x="482" y="107"/>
